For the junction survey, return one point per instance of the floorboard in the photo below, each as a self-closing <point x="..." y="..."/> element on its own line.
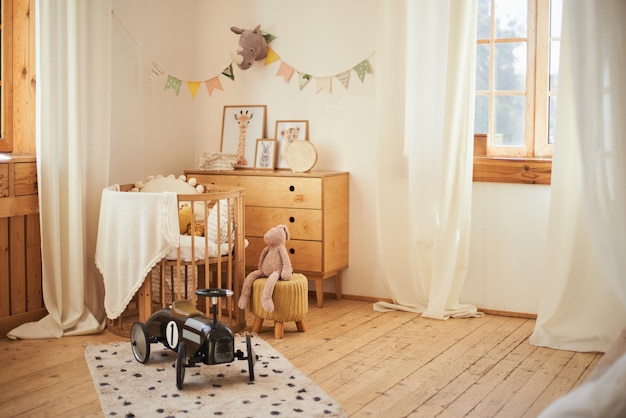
<point x="393" y="364"/>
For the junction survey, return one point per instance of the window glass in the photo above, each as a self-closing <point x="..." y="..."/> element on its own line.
<point x="483" y="28"/>
<point x="510" y="66"/>
<point x="511" y="18"/>
<point x="510" y="117"/>
<point x="482" y="67"/>
<point x="481" y="115"/>
<point x="551" y="118"/>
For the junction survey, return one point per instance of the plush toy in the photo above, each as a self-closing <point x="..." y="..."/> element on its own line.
<point x="274" y="263"/>
<point x="252" y="47"/>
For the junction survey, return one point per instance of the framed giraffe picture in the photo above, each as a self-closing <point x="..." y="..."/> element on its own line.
<point x="288" y="131"/>
<point x="241" y="127"/>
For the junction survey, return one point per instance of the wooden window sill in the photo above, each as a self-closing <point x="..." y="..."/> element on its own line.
<point x="513" y="170"/>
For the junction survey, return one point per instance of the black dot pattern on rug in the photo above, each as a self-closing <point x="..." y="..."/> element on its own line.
<point x="127" y="388"/>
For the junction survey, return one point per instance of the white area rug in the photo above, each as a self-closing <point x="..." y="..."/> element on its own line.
<point x="127" y="388"/>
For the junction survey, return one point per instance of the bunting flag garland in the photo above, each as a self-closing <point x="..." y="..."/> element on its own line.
<point x="156" y="71"/>
<point x="228" y="72"/>
<point x="323" y="83"/>
<point x="285" y="70"/>
<point x="271" y="56"/>
<point x="268" y="37"/>
<point x="173" y="83"/>
<point x="213" y="84"/>
<point x="193" y="88"/>
<point x="344" y="78"/>
<point x="362" y="68"/>
<point x="303" y="79"/>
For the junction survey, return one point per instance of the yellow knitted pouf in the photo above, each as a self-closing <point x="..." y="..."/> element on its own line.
<point x="291" y="303"/>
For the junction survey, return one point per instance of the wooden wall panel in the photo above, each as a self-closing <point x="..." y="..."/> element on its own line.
<point x="17" y="264"/>
<point x="5" y="309"/>
<point x="34" y="295"/>
<point x="24" y="78"/>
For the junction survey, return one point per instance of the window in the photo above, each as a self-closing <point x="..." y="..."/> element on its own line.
<point x="517" y="57"/>
<point x="6" y="100"/>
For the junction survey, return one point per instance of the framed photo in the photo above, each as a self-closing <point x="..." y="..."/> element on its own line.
<point x="288" y="131"/>
<point x="241" y="127"/>
<point x="265" y="156"/>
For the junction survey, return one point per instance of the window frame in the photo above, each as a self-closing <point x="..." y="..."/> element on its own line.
<point x="531" y="163"/>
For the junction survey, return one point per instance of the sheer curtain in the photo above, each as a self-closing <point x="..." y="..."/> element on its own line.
<point x="584" y="305"/>
<point x="426" y="121"/>
<point x="73" y="135"/>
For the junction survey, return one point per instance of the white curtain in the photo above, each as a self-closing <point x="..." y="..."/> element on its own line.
<point x="584" y="305"/>
<point x="425" y="152"/>
<point x="73" y="136"/>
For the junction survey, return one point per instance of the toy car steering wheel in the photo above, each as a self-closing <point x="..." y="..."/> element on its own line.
<point x="214" y="292"/>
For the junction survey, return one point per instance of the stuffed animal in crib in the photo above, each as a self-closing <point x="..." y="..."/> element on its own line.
<point x="252" y="47"/>
<point x="274" y="263"/>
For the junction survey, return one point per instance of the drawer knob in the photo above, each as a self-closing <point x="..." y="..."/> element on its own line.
<point x="292" y="251"/>
<point x="292" y="188"/>
<point x="292" y="219"/>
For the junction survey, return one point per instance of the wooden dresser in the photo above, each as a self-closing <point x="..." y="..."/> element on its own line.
<point x="315" y="208"/>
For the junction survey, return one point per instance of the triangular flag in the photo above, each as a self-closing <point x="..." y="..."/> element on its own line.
<point x="228" y="72"/>
<point x="155" y="71"/>
<point x="286" y="71"/>
<point x="303" y="79"/>
<point x="344" y="78"/>
<point x="173" y="83"/>
<point x="193" y="88"/>
<point x="323" y="83"/>
<point x="362" y="68"/>
<point x="212" y="84"/>
<point x="271" y="56"/>
<point x="268" y="36"/>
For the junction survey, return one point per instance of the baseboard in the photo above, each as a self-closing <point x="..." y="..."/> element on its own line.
<point x="372" y="299"/>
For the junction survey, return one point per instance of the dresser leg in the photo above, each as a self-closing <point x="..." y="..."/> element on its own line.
<point x="338" y="285"/>
<point x="319" y="291"/>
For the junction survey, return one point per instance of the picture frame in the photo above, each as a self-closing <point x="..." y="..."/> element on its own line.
<point x="265" y="155"/>
<point x="242" y="125"/>
<point x="286" y="132"/>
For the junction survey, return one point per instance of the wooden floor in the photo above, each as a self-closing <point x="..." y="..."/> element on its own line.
<point x="393" y="364"/>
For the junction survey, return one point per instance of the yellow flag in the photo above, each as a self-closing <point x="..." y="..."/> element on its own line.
<point x="271" y="56"/>
<point x="193" y="87"/>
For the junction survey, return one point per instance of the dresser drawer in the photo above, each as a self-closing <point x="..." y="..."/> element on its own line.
<point x="291" y="192"/>
<point x="304" y="255"/>
<point x="303" y="224"/>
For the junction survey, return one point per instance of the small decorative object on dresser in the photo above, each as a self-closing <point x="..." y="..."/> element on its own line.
<point x="265" y="156"/>
<point x="314" y="206"/>
<point x="288" y="131"/>
<point x="241" y="127"/>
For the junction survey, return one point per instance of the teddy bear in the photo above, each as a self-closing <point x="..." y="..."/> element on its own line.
<point x="274" y="263"/>
<point x="252" y="47"/>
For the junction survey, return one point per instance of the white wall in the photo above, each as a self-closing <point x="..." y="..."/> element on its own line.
<point x="157" y="132"/>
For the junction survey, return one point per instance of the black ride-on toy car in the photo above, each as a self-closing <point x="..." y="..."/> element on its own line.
<point x="196" y="338"/>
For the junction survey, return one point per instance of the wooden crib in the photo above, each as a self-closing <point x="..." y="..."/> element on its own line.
<point x="212" y="257"/>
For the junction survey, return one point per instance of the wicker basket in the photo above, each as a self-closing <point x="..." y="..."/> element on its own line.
<point x="217" y="161"/>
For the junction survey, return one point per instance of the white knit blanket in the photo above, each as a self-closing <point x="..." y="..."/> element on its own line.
<point x="135" y="231"/>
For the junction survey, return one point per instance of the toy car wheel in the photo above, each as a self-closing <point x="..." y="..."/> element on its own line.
<point x="139" y="342"/>
<point x="180" y="364"/>
<point x="251" y="357"/>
